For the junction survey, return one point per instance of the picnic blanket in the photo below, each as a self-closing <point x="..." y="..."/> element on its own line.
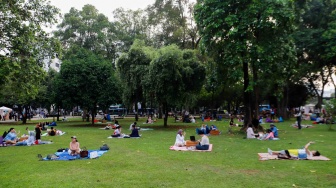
<point x="46" y="134"/>
<point x="266" y="156"/>
<point x="124" y="137"/>
<point x="184" y="148"/>
<point x="302" y="126"/>
<point x="64" y="156"/>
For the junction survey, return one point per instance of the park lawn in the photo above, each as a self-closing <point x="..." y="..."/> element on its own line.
<point x="148" y="162"/>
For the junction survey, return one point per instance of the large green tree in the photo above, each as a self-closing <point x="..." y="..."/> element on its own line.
<point x="247" y="36"/>
<point x="130" y="25"/>
<point x="87" y="79"/>
<point x="172" y="23"/>
<point x="23" y="46"/>
<point x="176" y="76"/>
<point x="133" y="68"/>
<point x="89" y="29"/>
<point x="315" y="39"/>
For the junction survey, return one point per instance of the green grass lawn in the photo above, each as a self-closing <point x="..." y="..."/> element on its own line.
<point x="148" y="162"/>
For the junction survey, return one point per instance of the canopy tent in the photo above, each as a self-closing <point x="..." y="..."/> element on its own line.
<point x="5" y="109"/>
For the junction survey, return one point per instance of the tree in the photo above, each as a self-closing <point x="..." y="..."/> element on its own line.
<point x="176" y="76"/>
<point x="246" y="36"/>
<point x="23" y="46"/>
<point x="172" y="23"/>
<point x="133" y="67"/>
<point x="88" y="29"/>
<point x="315" y="41"/>
<point x="130" y="25"/>
<point x="86" y="79"/>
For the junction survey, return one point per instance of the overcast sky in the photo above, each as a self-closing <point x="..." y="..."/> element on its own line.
<point x="104" y="6"/>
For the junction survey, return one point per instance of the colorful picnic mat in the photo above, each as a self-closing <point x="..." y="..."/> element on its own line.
<point x="184" y="148"/>
<point x="266" y="156"/>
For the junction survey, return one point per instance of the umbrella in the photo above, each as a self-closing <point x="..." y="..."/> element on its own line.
<point x="5" y="109"/>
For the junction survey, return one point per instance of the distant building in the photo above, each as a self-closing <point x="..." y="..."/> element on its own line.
<point x="54" y="63"/>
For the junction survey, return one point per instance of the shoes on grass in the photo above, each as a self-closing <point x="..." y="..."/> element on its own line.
<point x="269" y="151"/>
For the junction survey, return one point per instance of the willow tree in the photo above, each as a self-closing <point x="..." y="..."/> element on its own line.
<point x="176" y="76"/>
<point x="133" y="68"/>
<point x="247" y="36"/>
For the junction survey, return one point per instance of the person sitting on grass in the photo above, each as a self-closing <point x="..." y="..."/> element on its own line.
<point x="268" y="136"/>
<point x="180" y="142"/>
<point x="117" y="132"/>
<point x="204" y="143"/>
<point x="29" y="141"/>
<point x="304" y="153"/>
<point x="52" y="132"/>
<point x="274" y="130"/>
<point x="250" y="133"/>
<point x="11" y="137"/>
<point x="149" y="120"/>
<point x="74" y="148"/>
<point x="203" y="130"/>
<point x="135" y="131"/>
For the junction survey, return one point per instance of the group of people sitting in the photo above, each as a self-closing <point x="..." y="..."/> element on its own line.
<point x="202" y="144"/>
<point x="133" y="128"/>
<point x="205" y="129"/>
<point x="33" y="137"/>
<point x="271" y="133"/>
<point x="270" y="120"/>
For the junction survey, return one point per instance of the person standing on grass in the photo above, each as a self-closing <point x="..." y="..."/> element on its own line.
<point x="37" y="132"/>
<point x="298" y="116"/>
<point x="204" y="143"/>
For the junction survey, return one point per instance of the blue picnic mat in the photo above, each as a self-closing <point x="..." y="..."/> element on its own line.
<point x="64" y="156"/>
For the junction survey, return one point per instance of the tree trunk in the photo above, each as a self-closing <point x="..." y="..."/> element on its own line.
<point x="93" y="113"/>
<point x="165" y="120"/>
<point x="58" y="112"/>
<point x="247" y="96"/>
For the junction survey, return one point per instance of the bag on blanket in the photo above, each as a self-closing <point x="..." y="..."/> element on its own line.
<point x="52" y="156"/>
<point x="104" y="147"/>
<point x="84" y="152"/>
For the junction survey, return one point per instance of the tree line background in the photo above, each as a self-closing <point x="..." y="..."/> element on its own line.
<point x="173" y="54"/>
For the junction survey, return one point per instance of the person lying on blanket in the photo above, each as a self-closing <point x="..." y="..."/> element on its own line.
<point x="180" y="142"/>
<point x="204" y="143"/>
<point x="74" y="148"/>
<point x="295" y="153"/>
<point x="135" y="131"/>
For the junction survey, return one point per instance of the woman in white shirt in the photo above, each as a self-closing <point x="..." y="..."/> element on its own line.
<point x="250" y="132"/>
<point x="180" y="139"/>
<point x="204" y="143"/>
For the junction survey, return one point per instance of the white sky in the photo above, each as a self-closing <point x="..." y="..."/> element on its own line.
<point x="104" y="6"/>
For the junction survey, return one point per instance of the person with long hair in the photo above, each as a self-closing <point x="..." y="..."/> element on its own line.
<point x="74" y="146"/>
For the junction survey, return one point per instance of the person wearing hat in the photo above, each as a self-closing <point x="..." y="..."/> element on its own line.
<point x="74" y="146"/>
<point x="274" y="130"/>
